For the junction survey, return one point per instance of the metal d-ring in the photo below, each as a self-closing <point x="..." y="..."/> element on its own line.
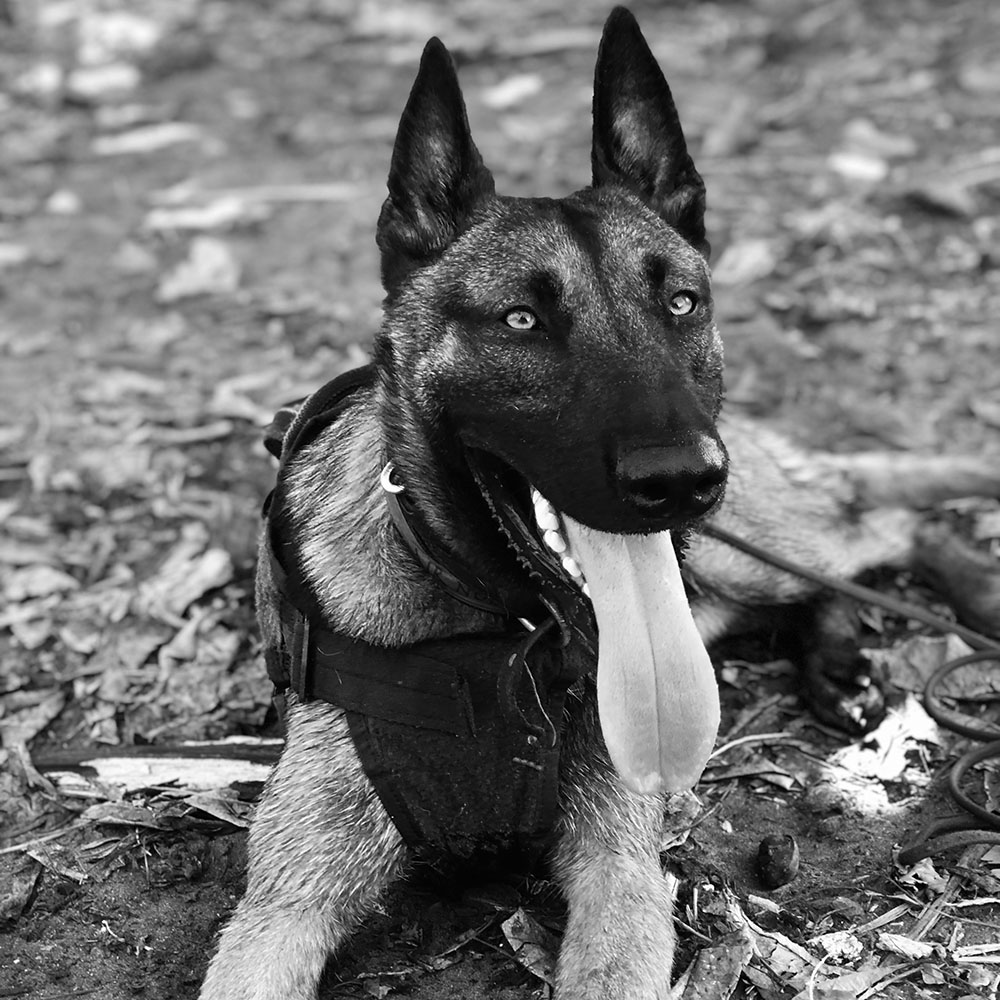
<point x="385" y="479"/>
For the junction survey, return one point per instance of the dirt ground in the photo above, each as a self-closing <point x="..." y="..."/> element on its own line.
<point x="188" y="194"/>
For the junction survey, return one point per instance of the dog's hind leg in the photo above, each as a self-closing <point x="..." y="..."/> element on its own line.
<point x="322" y="850"/>
<point x="619" y="940"/>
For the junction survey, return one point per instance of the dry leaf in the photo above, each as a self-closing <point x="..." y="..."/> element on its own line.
<point x="534" y="947"/>
<point x="122" y="814"/>
<point x="882" y="753"/>
<point x="23" y="724"/>
<point x="900" y="944"/>
<point x="511" y="91"/>
<point x="209" y="269"/>
<point x="147" y="139"/>
<point x="21" y="887"/>
<point x="744" y="262"/>
<point x="841" y="946"/>
<point x="40" y="580"/>
<point x="715" y="972"/>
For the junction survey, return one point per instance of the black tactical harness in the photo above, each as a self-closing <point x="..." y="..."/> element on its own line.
<point x="459" y="736"/>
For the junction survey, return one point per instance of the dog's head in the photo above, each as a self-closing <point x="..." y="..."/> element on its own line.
<point x="562" y="351"/>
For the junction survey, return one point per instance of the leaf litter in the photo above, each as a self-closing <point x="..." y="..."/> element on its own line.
<point x="857" y="244"/>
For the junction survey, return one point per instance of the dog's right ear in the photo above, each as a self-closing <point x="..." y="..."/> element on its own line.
<point x="638" y="140"/>
<point x="436" y="178"/>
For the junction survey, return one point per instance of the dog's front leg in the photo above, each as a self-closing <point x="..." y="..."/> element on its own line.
<point x="619" y="940"/>
<point x="322" y="849"/>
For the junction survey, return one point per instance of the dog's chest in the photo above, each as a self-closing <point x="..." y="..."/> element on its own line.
<point x="469" y="763"/>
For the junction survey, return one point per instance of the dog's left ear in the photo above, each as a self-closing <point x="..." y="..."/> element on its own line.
<point x="638" y="141"/>
<point x="436" y="178"/>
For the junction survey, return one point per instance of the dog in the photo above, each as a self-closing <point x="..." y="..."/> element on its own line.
<point x="539" y="360"/>
<point x="469" y="589"/>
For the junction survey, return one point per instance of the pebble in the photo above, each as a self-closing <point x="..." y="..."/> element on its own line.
<point x="777" y="860"/>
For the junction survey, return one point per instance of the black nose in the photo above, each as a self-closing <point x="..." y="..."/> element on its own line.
<point x="676" y="481"/>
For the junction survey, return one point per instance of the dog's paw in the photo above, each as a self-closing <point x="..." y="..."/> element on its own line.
<point x="848" y="700"/>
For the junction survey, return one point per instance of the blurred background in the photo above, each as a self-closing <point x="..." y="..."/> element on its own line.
<point x="188" y="195"/>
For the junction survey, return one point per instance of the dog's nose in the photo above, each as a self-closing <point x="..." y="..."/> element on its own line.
<point x="676" y="481"/>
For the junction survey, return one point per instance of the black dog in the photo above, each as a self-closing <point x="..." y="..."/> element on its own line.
<point x="452" y="527"/>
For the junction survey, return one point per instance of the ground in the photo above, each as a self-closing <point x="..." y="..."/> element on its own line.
<point x="188" y="199"/>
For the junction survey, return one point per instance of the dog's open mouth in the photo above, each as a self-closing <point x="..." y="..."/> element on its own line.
<point x="657" y="695"/>
<point x="550" y="527"/>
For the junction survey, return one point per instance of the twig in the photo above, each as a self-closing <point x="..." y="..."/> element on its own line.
<point x="783" y="738"/>
<point x="936" y="909"/>
<point x="887" y="918"/>
<point x="43" y="839"/>
<point x="877" y="987"/>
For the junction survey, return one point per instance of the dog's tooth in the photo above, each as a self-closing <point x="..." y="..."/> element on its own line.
<point x="586" y="590"/>
<point x="546" y="518"/>
<point x="572" y="567"/>
<point x="555" y="541"/>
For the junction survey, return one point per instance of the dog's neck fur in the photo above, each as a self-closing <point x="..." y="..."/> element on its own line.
<point x="367" y="581"/>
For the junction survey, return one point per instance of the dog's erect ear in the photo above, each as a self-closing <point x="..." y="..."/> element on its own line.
<point x="437" y="176"/>
<point x="638" y="142"/>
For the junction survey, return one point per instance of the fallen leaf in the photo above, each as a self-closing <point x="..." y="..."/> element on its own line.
<point x="923" y="873"/>
<point x="744" y="262"/>
<point x="20" y="889"/>
<point x="511" y="91"/>
<point x="841" y="946"/>
<point x="908" y="665"/>
<point x="534" y="947"/>
<point x="225" y="212"/>
<point x="147" y="139"/>
<point x="122" y="814"/>
<point x="222" y="805"/>
<point x="855" y="165"/>
<point x="62" y="861"/>
<point x="845" y="986"/>
<point x="863" y="135"/>
<point x="13" y="255"/>
<point x="986" y="410"/>
<point x="900" y="944"/>
<point x="22" y="725"/>
<point x="94" y="84"/>
<point x="209" y="269"/>
<point x="882" y="753"/>
<point x="716" y="970"/>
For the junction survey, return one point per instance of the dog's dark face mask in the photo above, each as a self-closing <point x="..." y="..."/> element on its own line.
<point x="561" y="356"/>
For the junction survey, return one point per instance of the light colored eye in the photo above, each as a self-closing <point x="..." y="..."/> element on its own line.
<point x="683" y="303"/>
<point x="521" y="319"/>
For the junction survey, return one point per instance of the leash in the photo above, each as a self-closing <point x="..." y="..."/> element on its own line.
<point x="865" y="595"/>
<point x="958" y="831"/>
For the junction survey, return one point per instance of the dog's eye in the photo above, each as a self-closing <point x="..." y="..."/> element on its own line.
<point x="521" y="319"/>
<point x="683" y="303"/>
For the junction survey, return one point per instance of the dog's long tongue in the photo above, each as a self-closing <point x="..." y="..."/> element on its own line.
<point x="656" y="690"/>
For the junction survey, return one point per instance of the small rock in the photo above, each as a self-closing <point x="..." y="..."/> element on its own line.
<point x="777" y="860"/>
